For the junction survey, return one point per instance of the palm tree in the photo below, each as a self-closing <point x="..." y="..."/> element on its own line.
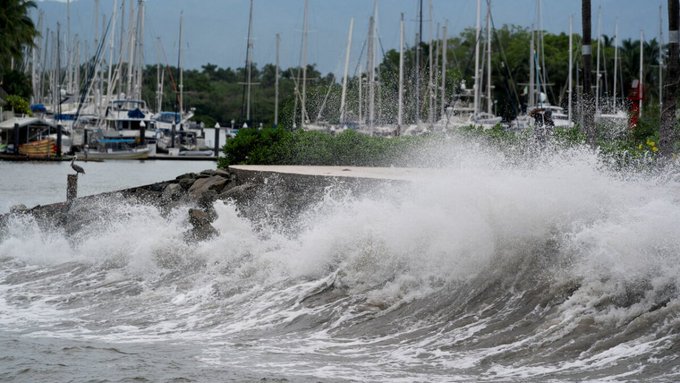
<point x="588" y="106"/>
<point x="668" y="119"/>
<point x="16" y="28"/>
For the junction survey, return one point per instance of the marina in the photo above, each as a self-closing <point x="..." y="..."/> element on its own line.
<point x="339" y="191"/>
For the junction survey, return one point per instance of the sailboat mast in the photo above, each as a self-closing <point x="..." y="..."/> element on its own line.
<point x="305" y="31"/>
<point x="131" y="56"/>
<point x="249" y="60"/>
<point x="343" y="97"/>
<point x="477" y="82"/>
<point x="430" y="56"/>
<point x="370" y="71"/>
<point x="660" y="58"/>
<point x="179" y="68"/>
<point x="109" y="85"/>
<point x="616" y="61"/>
<point x="444" y="47"/>
<point x="532" y="70"/>
<point x="489" y="103"/>
<point x="597" y="60"/>
<point x="642" y="41"/>
<point x="419" y="44"/>
<point x="400" y="113"/>
<point x="69" y="74"/>
<point x="571" y="64"/>
<point x="159" y="86"/>
<point x="276" y="82"/>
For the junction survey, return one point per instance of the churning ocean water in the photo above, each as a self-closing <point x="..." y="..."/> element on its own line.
<point x="549" y="270"/>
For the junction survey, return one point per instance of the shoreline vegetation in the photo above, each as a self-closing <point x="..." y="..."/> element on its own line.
<point x="632" y="149"/>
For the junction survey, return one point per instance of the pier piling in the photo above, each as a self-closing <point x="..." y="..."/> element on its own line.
<point x="217" y="140"/>
<point x="59" y="132"/>
<point x="71" y="187"/>
<point x="16" y="138"/>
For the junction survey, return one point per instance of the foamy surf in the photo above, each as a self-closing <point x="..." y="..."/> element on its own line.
<point x="494" y="269"/>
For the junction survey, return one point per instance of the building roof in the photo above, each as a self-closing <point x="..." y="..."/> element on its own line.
<point x="22" y="122"/>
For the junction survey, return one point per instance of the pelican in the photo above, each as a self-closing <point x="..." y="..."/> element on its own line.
<point x="77" y="168"/>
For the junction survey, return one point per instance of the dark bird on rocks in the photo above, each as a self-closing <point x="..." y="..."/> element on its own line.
<point x="77" y="168"/>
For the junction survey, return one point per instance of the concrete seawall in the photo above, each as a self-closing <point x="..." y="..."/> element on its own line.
<point x="259" y="192"/>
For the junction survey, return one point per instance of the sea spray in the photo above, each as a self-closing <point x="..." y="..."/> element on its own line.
<point x="491" y="267"/>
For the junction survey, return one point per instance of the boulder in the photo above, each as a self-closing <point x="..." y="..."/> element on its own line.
<point x="240" y="192"/>
<point x="202" y="185"/>
<point x="201" y="227"/>
<point x="172" y="192"/>
<point x="186" y="183"/>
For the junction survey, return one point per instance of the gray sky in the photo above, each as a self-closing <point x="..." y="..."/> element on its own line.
<point x="215" y="30"/>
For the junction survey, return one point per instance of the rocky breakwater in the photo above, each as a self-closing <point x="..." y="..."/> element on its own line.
<point x="260" y="196"/>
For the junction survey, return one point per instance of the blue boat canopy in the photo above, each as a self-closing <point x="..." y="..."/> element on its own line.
<point x="116" y="140"/>
<point x="38" y="108"/>
<point x="136" y="113"/>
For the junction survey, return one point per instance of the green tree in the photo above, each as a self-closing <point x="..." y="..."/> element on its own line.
<point x="16" y="30"/>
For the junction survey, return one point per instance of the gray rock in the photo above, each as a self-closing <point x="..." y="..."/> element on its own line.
<point x="172" y="192"/>
<point x="186" y="183"/>
<point x="202" y="185"/>
<point x="201" y="227"/>
<point x="187" y="175"/>
<point x="239" y="192"/>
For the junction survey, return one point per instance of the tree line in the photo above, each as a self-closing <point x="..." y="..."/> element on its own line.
<point x="218" y="93"/>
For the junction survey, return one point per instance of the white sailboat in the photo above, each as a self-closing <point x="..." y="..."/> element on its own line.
<point x="466" y="108"/>
<point x="539" y="111"/>
<point x="612" y="117"/>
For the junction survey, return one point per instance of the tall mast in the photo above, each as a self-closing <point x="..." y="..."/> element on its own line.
<point x="660" y="58"/>
<point x="131" y="56"/>
<point x="69" y="74"/>
<point x="57" y="77"/>
<point x="249" y="63"/>
<point x="642" y="41"/>
<point x="616" y="61"/>
<point x="276" y="82"/>
<point x="35" y="53"/>
<point x="305" y="31"/>
<point x="532" y="69"/>
<point x="571" y="63"/>
<point x="159" y="84"/>
<point x="121" y="51"/>
<point x="444" y="46"/>
<point x="419" y="43"/>
<point x="97" y="74"/>
<point x="430" y="56"/>
<point x="112" y="41"/>
<point x="400" y="113"/>
<point x="477" y="82"/>
<point x="597" y="60"/>
<point x="343" y="97"/>
<point x="489" y="103"/>
<point x="370" y="67"/>
<point x="179" y="68"/>
<point x="140" y="50"/>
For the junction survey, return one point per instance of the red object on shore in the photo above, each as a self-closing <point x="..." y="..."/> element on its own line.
<point x="635" y="95"/>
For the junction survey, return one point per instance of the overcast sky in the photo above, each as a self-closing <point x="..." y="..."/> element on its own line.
<point x="215" y="30"/>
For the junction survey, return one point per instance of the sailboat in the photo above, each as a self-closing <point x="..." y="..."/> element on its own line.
<point x="175" y="132"/>
<point x="612" y="117"/>
<point x="465" y="110"/>
<point x="125" y="128"/>
<point x="539" y="111"/>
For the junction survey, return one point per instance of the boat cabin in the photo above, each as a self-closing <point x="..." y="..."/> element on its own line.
<point x="29" y="136"/>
